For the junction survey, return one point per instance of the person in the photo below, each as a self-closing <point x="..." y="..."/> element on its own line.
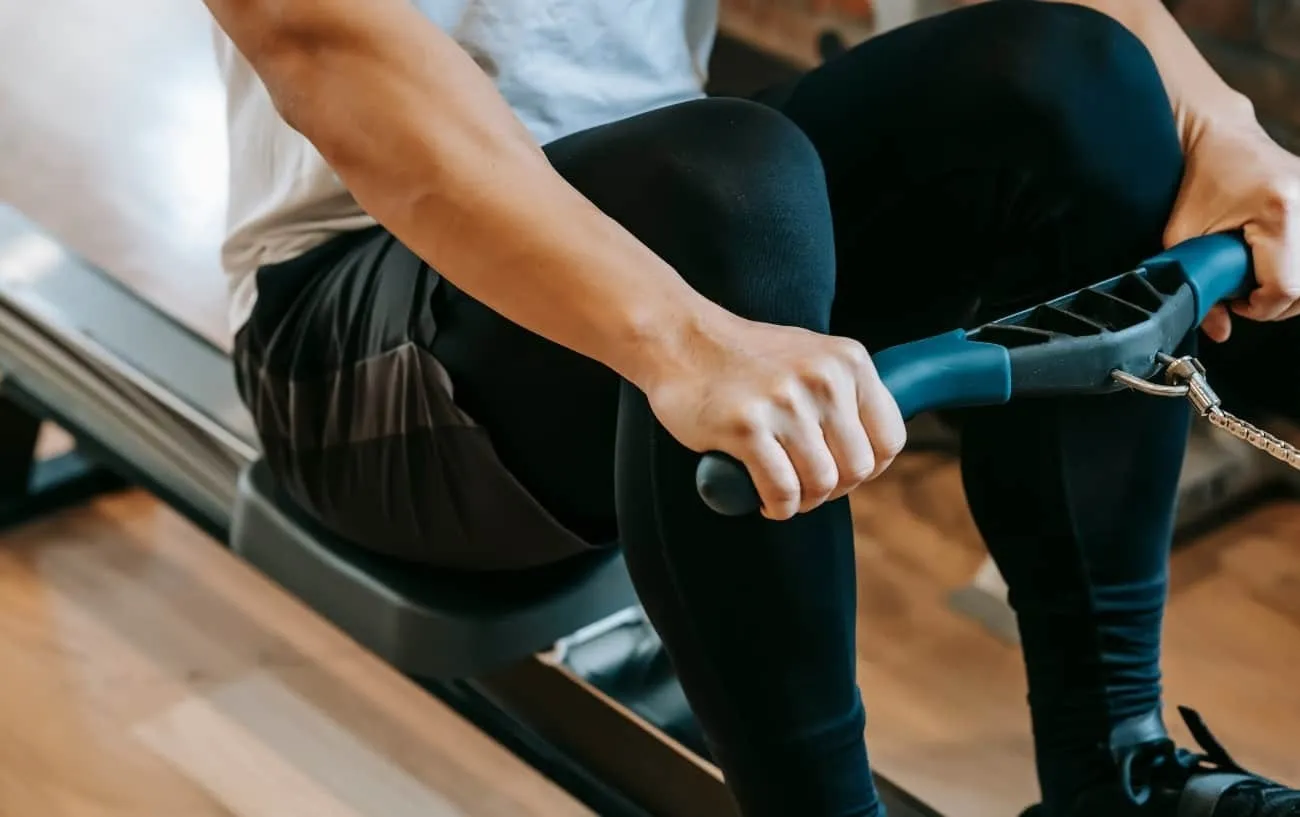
<point x="487" y="254"/>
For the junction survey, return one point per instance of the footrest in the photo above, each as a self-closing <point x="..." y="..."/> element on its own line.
<point x="427" y="623"/>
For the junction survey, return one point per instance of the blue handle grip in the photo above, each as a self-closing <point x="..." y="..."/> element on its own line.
<point x="951" y="371"/>
<point x="1217" y="267"/>
<point x="945" y="371"/>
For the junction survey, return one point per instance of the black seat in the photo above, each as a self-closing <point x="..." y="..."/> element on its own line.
<point x="427" y="623"/>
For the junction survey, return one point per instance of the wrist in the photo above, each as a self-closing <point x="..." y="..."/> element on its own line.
<point x="656" y="343"/>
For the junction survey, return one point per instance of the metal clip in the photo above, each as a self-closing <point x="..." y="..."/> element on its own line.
<point x="1189" y="372"/>
<point x="1185" y="377"/>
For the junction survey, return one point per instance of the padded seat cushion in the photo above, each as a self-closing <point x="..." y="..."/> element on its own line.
<point x="428" y="623"/>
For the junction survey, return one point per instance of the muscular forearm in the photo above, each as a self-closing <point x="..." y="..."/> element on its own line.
<point x="1198" y="94"/>
<point x="425" y="143"/>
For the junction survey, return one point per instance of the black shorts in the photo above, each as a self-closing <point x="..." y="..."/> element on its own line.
<point x="357" y="418"/>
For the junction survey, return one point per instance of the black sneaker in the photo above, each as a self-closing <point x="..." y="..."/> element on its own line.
<point x="1157" y="779"/>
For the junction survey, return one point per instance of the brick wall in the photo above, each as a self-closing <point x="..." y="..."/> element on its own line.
<point x="1255" y="45"/>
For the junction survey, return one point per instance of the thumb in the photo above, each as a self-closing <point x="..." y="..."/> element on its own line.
<point x="1217" y="325"/>
<point x="1277" y="272"/>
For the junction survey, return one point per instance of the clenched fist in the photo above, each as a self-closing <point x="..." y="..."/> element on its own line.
<point x="1237" y="177"/>
<point x="804" y="412"/>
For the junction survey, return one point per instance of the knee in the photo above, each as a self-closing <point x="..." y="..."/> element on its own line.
<point x="730" y="193"/>
<point x="1086" y="97"/>
<point x="1053" y="55"/>
<point x="1078" y="74"/>
<point x="735" y="166"/>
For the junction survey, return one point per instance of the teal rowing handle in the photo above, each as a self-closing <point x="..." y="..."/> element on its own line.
<point x="945" y="371"/>
<point x="957" y="370"/>
<point x="1217" y="267"/>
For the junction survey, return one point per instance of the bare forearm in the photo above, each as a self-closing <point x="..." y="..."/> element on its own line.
<point x="427" y="146"/>
<point x="1196" y="91"/>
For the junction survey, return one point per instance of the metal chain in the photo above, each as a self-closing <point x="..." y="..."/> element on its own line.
<point x="1256" y="436"/>
<point x="1185" y="377"/>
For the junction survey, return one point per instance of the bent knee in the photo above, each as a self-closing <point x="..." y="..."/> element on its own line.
<point x="715" y="160"/>
<point x="1038" y="38"/>
<point x="1081" y="98"/>
<point x="1060" y="60"/>
<point x="735" y="135"/>
<point x="727" y="191"/>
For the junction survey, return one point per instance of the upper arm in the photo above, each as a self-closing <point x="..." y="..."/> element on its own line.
<point x="328" y="63"/>
<point x="253" y="25"/>
<point x="290" y="43"/>
<point x="268" y="32"/>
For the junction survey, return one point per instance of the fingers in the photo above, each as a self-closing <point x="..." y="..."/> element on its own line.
<point x="790" y="459"/>
<point x="1275" y="245"/>
<point x="775" y="478"/>
<point x="1217" y="325"/>
<point x="838" y="426"/>
<point x="884" y="423"/>
<point x="820" y="448"/>
<point x="846" y="436"/>
<point x="819" y="473"/>
<point x="850" y="448"/>
<point x="859" y="424"/>
<point x="1278" y="273"/>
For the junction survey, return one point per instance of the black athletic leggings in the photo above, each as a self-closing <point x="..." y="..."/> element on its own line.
<point x="939" y="175"/>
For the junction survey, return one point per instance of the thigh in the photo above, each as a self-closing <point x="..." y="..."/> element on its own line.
<point x="550" y="412"/>
<point x="358" y="422"/>
<point x="987" y="159"/>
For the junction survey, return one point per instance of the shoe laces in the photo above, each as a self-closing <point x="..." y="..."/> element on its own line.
<point x="1160" y="765"/>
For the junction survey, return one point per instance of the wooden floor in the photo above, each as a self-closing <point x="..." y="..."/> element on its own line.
<point x="147" y="672"/>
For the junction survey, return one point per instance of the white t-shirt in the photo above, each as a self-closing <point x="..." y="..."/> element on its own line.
<point x="562" y="65"/>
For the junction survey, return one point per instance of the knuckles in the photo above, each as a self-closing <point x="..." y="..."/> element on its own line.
<point x="782" y="496"/>
<point x="747" y="422"/>
<point x="825" y="378"/>
<point x="855" y="354"/>
<point x="857" y="476"/>
<point x="822" y="483"/>
<point x="785" y="395"/>
<point x="889" y="448"/>
<point x="820" y="382"/>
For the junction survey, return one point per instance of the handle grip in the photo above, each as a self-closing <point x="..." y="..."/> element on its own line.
<point x="1217" y="267"/>
<point x="949" y="370"/>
